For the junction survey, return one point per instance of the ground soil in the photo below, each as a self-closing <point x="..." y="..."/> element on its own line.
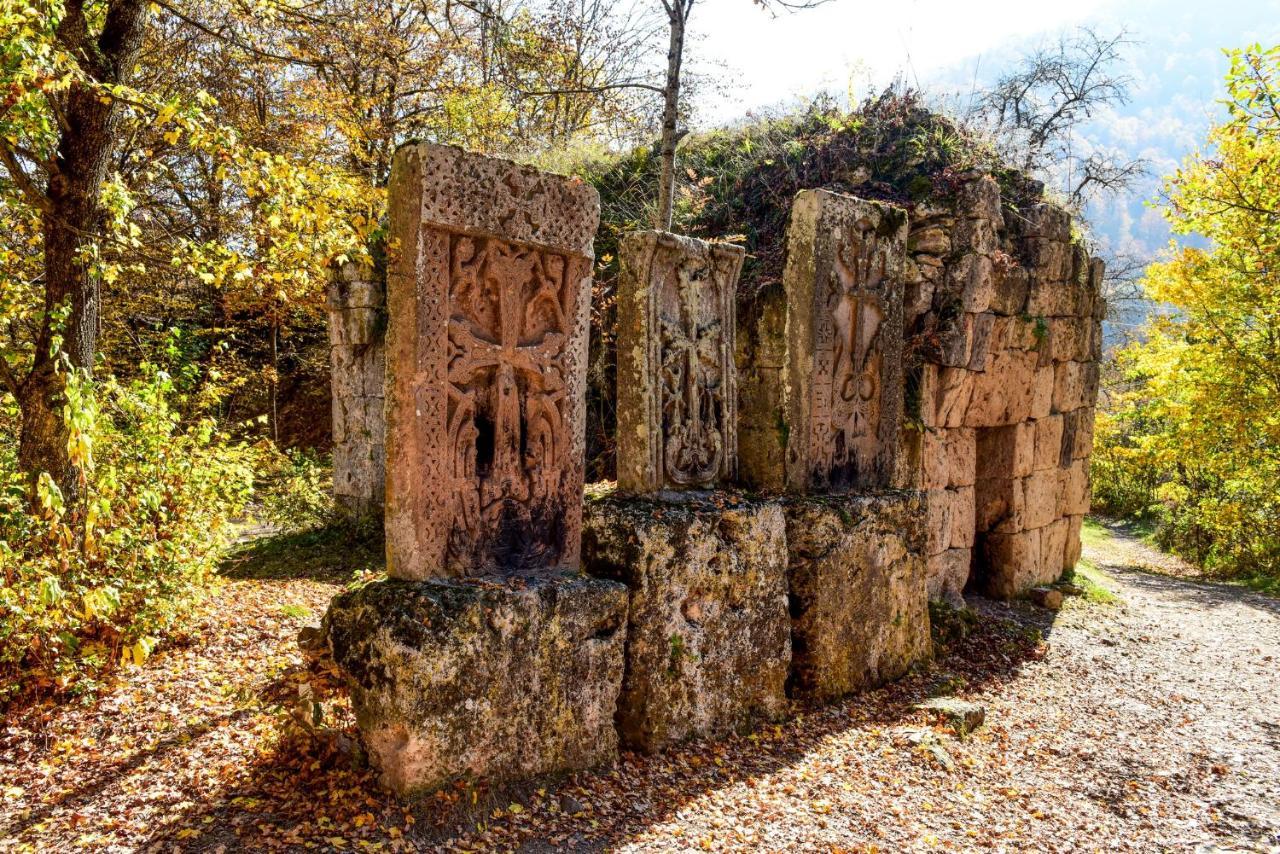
<point x="1146" y="723"/>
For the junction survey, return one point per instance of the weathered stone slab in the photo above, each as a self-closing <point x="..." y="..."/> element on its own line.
<point x="946" y="575"/>
<point x="677" y="384"/>
<point x="843" y="388"/>
<point x="708" y="637"/>
<point x="482" y="680"/>
<point x="488" y="288"/>
<point x="357" y="324"/>
<point x="859" y="606"/>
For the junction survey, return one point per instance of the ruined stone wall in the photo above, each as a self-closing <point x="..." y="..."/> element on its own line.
<point x="1005" y="312"/>
<point x="357" y="325"/>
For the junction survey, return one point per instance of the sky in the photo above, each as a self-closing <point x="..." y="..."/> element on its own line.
<point x="851" y="47"/>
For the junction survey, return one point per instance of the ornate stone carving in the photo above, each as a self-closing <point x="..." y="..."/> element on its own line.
<point x="843" y="388"/>
<point x="488" y="289"/>
<point x="677" y="387"/>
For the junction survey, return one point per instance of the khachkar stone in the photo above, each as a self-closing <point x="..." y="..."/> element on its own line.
<point x="488" y="290"/>
<point x="487" y="656"/>
<point x="677" y="389"/>
<point x="842" y="384"/>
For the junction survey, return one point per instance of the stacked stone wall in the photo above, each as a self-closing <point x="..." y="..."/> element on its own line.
<point x="1006" y="311"/>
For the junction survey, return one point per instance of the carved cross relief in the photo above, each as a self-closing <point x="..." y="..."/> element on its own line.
<point x="693" y="406"/>
<point x="677" y="389"/>
<point x="857" y="315"/>
<point x="508" y="325"/>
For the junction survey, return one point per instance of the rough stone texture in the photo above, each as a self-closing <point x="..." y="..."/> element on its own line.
<point x="708" y="636"/>
<point x="357" y="324"/>
<point x="482" y="680"/>
<point x="1011" y="345"/>
<point x="677" y="385"/>
<point x="859" y="607"/>
<point x="488" y="286"/>
<point x="841" y="386"/>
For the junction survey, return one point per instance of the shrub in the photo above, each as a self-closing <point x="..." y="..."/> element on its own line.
<point x="88" y="589"/>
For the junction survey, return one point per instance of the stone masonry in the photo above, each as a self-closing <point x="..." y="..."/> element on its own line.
<point x="357" y="322"/>
<point x="1005" y="398"/>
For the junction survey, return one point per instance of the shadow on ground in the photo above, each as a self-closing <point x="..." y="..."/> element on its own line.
<point x="286" y="783"/>
<point x="334" y="554"/>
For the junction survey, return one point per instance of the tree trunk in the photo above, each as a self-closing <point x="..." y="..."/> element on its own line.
<point x="677" y="13"/>
<point x="71" y="221"/>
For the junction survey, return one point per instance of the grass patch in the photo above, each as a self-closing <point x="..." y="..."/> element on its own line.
<point x="1093" y="581"/>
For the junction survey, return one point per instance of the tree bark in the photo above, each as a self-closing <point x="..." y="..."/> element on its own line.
<point x="71" y="221"/>
<point x="677" y="14"/>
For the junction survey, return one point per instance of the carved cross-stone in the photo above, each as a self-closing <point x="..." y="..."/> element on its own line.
<point x="488" y="287"/>
<point x="677" y="386"/>
<point x="843" y="388"/>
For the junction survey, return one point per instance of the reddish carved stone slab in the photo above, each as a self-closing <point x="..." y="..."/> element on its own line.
<point x="677" y="386"/>
<point x="844" y="391"/>
<point x="488" y="285"/>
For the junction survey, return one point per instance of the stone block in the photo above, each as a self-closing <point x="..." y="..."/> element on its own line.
<point x="1040" y="494"/>
<point x="487" y="681"/>
<point x="1063" y="339"/>
<point x="1048" y="442"/>
<point x="936" y="465"/>
<point x="1050" y="264"/>
<point x="1009" y="295"/>
<point x="947" y="574"/>
<point x="1073" y="489"/>
<point x="955" y="342"/>
<point x="1071" y="385"/>
<point x="761" y="360"/>
<point x="1003" y="393"/>
<point x="981" y="345"/>
<point x="843" y="387"/>
<point x="1047" y="220"/>
<point x="488" y="290"/>
<point x="708" y="634"/>
<point x="975" y="235"/>
<point x="1006" y="451"/>
<point x="980" y="199"/>
<point x="972" y="278"/>
<point x="1071" y="555"/>
<point x="1009" y="564"/>
<point x="1053" y="550"/>
<point x="857" y="591"/>
<point x="953" y="393"/>
<point x="1042" y="385"/>
<point x="961" y="449"/>
<point x="999" y="505"/>
<point x="963" y="522"/>
<point x="938" y="506"/>
<point x="677" y="384"/>
<point x="930" y="240"/>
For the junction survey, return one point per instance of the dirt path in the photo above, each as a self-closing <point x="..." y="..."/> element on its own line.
<point x="1150" y="723"/>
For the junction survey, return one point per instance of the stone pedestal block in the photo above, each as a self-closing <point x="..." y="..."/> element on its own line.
<point x="708" y="637"/>
<point x="677" y="386"/>
<point x="859" y="607"/>
<point x="481" y="680"/>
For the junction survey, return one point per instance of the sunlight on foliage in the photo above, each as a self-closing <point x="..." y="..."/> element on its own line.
<point x="1193" y="433"/>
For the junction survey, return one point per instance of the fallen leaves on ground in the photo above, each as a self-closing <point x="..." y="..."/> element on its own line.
<point x="232" y="741"/>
